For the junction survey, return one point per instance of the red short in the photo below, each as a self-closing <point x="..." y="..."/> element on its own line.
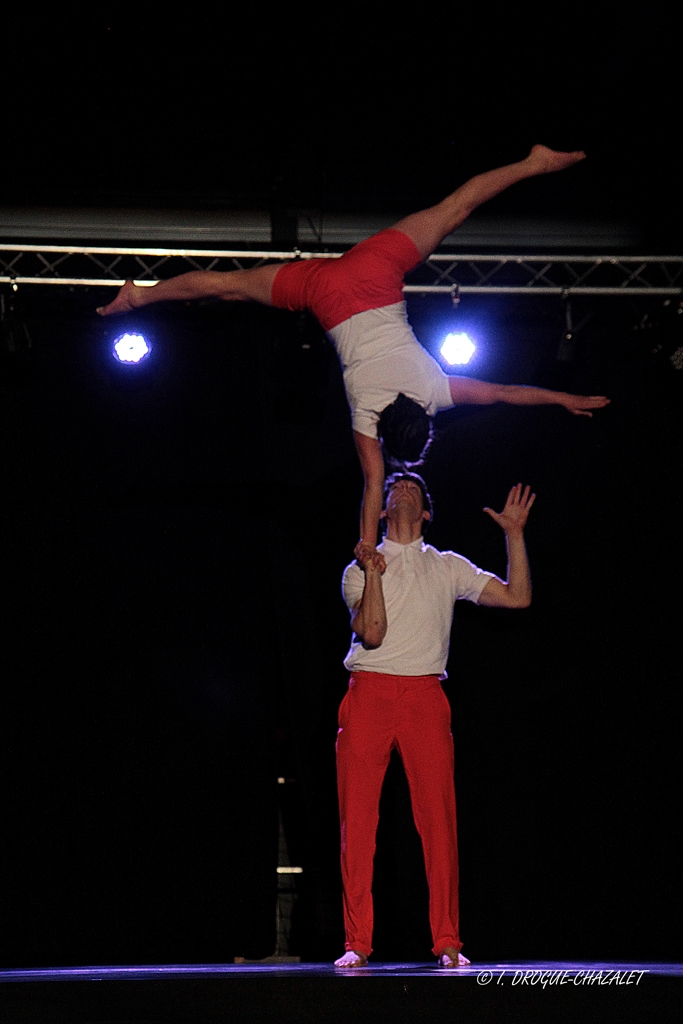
<point x="368" y="276"/>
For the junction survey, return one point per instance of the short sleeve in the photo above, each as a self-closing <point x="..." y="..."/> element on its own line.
<point x="353" y="585"/>
<point x="365" y="422"/>
<point x="441" y="391"/>
<point x="467" y="580"/>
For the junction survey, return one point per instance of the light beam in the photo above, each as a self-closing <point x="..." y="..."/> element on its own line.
<point x="130" y="348"/>
<point x="457" y="349"/>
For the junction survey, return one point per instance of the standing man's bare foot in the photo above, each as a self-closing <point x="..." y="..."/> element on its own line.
<point x="450" y="957"/>
<point x="352" y="959"/>
<point x="127" y="299"/>
<point x="546" y="160"/>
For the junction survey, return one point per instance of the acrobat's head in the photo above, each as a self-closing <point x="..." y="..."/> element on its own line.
<point x="405" y="431"/>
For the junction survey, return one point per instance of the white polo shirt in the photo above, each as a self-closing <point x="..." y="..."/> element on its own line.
<point x="421" y="586"/>
<point x="382" y="358"/>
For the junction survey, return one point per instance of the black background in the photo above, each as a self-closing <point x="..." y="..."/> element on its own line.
<point x="173" y="550"/>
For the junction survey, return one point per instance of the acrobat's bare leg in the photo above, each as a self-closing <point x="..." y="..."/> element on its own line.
<point x="429" y="227"/>
<point x="233" y="286"/>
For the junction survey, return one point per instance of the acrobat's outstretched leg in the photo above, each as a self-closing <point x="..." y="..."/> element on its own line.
<point x="232" y="285"/>
<point x="429" y="227"/>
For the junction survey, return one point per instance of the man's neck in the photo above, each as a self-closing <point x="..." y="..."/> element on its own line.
<point x="402" y="532"/>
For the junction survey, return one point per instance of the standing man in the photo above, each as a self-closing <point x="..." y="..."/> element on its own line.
<point x="402" y="623"/>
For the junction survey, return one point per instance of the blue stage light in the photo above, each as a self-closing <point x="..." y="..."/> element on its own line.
<point x="130" y="348"/>
<point x="457" y="349"/>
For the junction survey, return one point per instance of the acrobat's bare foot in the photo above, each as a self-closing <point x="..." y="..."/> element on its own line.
<point x="450" y="957"/>
<point x="546" y="160"/>
<point x="351" y="959"/>
<point x="128" y="298"/>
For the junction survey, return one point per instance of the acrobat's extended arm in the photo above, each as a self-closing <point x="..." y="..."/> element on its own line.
<point x="516" y="592"/>
<point x="466" y="391"/>
<point x="372" y="463"/>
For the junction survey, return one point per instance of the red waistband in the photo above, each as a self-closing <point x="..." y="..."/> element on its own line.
<point x="382" y="677"/>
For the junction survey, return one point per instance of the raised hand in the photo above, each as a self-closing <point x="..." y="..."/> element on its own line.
<point x="580" y="405"/>
<point x="516" y="512"/>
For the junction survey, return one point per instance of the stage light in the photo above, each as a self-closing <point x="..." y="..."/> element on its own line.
<point x="457" y="349"/>
<point x="130" y="348"/>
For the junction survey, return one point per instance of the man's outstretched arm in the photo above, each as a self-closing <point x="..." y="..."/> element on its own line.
<point x="369" y="616"/>
<point x="466" y="391"/>
<point x="516" y="593"/>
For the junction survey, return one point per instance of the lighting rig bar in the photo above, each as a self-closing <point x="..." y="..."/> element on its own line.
<point x="97" y="266"/>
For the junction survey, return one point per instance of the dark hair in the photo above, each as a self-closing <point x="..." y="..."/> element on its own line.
<point x="426" y="497"/>
<point x="405" y="431"/>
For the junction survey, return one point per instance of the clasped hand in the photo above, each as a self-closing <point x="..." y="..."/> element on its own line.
<point x="369" y="558"/>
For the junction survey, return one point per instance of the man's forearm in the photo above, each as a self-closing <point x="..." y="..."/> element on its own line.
<point x="519" y="574"/>
<point x="522" y="394"/>
<point x="369" y="620"/>
<point x="516" y="593"/>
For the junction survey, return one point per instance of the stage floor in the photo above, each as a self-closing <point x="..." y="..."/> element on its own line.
<point x="521" y="972"/>
<point x="382" y="993"/>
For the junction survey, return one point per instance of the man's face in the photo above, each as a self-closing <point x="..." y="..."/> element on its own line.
<point x="405" y="498"/>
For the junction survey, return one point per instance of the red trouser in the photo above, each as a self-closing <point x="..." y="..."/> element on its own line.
<point x="412" y="714"/>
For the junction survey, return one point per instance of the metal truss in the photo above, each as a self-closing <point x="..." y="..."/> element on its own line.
<point x="550" y="275"/>
<point x="98" y="266"/>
